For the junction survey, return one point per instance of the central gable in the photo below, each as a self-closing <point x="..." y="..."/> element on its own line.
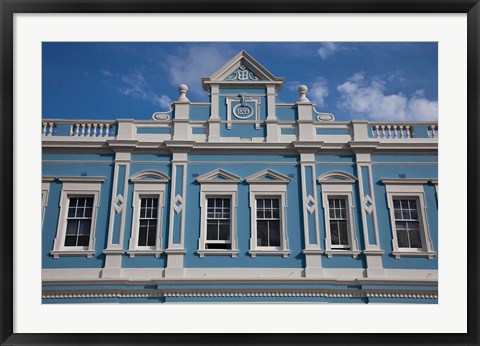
<point x="242" y="70"/>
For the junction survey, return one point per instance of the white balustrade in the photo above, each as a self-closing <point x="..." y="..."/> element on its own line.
<point x="392" y="131"/>
<point x="49" y="129"/>
<point x="91" y="130"/>
<point x="432" y="131"/>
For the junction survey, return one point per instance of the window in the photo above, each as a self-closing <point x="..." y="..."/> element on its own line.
<point x="79" y="221"/>
<point x="218" y="205"/>
<point x="218" y="223"/>
<point x="407" y="223"/>
<point x="148" y="202"/>
<point x="268" y="222"/>
<point x="268" y="203"/>
<point x="406" y="202"/>
<point x="148" y="221"/>
<point x="79" y="203"/>
<point x="338" y="222"/>
<point x="337" y="201"/>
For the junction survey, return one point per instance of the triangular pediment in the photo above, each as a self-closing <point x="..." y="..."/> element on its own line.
<point x="242" y="68"/>
<point x="218" y="176"/>
<point x="149" y="176"/>
<point x="336" y="178"/>
<point x="267" y="176"/>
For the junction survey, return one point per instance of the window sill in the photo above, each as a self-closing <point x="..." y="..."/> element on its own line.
<point x="255" y="253"/>
<point x="339" y="252"/>
<point x="58" y="253"/>
<point x="399" y="254"/>
<point x="203" y="253"/>
<point x="133" y="253"/>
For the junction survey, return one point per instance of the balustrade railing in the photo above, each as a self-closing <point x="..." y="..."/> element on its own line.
<point x="392" y="131"/>
<point x="432" y="131"/>
<point x="91" y="130"/>
<point x="49" y="128"/>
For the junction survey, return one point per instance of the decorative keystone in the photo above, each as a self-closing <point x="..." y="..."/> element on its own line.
<point x="182" y="89"/>
<point x="302" y="91"/>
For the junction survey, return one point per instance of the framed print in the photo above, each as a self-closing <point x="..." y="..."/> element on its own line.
<point x="205" y="170"/>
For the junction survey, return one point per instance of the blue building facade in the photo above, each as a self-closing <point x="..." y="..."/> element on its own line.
<point x="239" y="199"/>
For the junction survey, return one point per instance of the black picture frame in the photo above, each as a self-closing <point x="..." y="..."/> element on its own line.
<point x="10" y="7"/>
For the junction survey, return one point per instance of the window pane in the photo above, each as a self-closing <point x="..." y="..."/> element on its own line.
<point x="81" y="202"/>
<point x="224" y="232"/>
<point x="405" y="215"/>
<point x="414" y="214"/>
<point x="343" y="232"/>
<point x="415" y="240"/>
<point x="71" y="240"/>
<point x="396" y="204"/>
<point x="259" y="203"/>
<point x="276" y="203"/>
<point x="88" y="212"/>
<point x="72" y="226"/>
<point x="413" y="204"/>
<point x="262" y="233"/>
<point x="142" y="236"/>
<point x="84" y="227"/>
<point x="89" y="202"/>
<point x="268" y="203"/>
<point x="151" y="234"/>
<point x="404" y="204"/>
<point x="398" y="215"/>
<point x="83" y="240"/>
<point x="71" y="212"/>
<point x="212" y="230"/>
<point x="210" y="202"/>
<point x="226" y="203"/>
<point x="334" y="233"/>
<point x="274" y="233"/>
<point x="331" y="203"/>
<point x="276" y="213"/>
<point x="402" y="238"/>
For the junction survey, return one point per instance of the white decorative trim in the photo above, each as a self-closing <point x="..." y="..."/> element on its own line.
<point x="275" y="187"/>
<point x="339" y="184"/>
<point x="230" y="110"/>
<point x="45" y="189"/>
<point x="147" y="184"/>
<point x="274" y="177"/>
<point x="409" y="188"/>
<point x="235" y="293"/>
<point x="222" y="175"/>
<point x="210" y="187"/>
<point x="72" y="188"/>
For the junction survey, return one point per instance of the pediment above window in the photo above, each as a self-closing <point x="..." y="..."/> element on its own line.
<point x="336" y="178"/>
<point x="149" y="176"/>
<point x="219" y="176"/>
<point x="242" y="68"/>
<point x="267" y="176"/>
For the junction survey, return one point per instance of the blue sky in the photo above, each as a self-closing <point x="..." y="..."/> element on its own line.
<point x="375" y="81"/>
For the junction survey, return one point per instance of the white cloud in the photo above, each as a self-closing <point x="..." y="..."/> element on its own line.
<point x="106" y="73"/>
<point x="190" y="64"/>
<point x="136" y="86"/>
<point x="327" y="49"/>
<point x="368" y="98"/>
<point x="319" y="91"/>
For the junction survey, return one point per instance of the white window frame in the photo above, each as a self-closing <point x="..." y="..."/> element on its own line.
<point x="45" y="190"/>
<point x="274" y="187"/>
<point x="147" y="184"/>
<point x="339" y="185"/>
<point x="212" y="187"/>
<point x="76" y="187"/>
<point x="409" y="189"/>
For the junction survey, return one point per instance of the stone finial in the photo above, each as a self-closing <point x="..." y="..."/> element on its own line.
<point x="182" y="89"/>
<point x="302" y="91"/>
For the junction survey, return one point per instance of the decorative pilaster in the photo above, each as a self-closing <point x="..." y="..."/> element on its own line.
<point x="214" y="121"/>
<point x="271" y="120"/>
<point x="176" y="228"/>
<point x="362" y="145"/>
<point x="181" y="126"/>
<point x="123" y="146"/>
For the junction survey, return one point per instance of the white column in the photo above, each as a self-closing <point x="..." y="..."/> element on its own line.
<point x="271" y="120"/>
<point x="176" y="228"/>
<point x="214" y="121"/>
